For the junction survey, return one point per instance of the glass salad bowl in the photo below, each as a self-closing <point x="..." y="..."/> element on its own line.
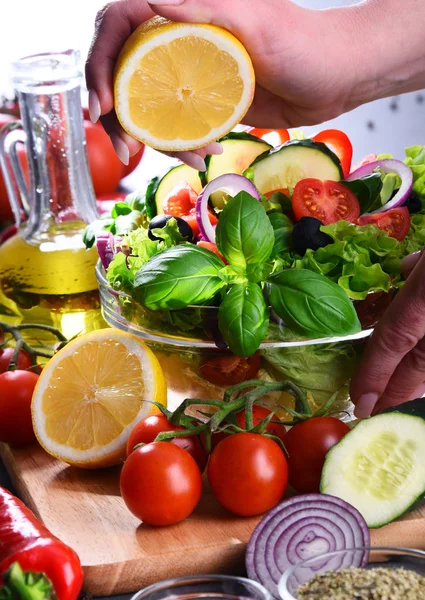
<point x="314" y="576"/>
<point x="197" y="363"/>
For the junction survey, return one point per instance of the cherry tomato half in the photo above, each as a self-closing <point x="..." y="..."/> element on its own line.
<point x="340" y="144"/>
<point x="230" y="370"/>
<point x="181" y="202"/>
<point x="248" y="473"/>
<point x="396" y="222"/>
<point x="328" y="201"/>
<point x="16" y="390"/>
<point x="212" y="248"/>
<point x="160" y="483"/>
<point x="307" y="444"/>
<point x="148" y="428"/>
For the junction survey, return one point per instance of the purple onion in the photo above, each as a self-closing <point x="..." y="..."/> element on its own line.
<point x="105" y="245"/>
<point x="300" y="528"/>
<point x="388" y="165"/>
<point x="231" y="184"/>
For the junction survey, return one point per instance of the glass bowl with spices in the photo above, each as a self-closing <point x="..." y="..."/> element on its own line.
<point x="375" y="573"/>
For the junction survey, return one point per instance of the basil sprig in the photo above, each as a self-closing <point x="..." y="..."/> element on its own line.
<point x="248" y="238"/>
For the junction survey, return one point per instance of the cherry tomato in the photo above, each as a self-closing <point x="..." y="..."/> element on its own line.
<point x="105" y="167"/>
<point x="148" y="428"/>
<point x="5" y="208"/>
<point x="259" y="413"/>
<point x="181" y="202"/>
<point x="281" y="190"/>
<point x="24" y="361"/>
<point x="396" y="222"/>
<point x="282" y="133"/>
<point x="328" y="201"/>
<point x="229" y="370"/>
<point x="307" y="444"/>
<point x="248" y="473"/>
<point x="340" y="144"/>
<point x="160" y="483"/>
<point x="212" y="248"/>
<point x="16" y="390"/>
<point x="105" y="202"/>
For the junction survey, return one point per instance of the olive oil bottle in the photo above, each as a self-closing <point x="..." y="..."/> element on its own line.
<point x="46" y="274"/>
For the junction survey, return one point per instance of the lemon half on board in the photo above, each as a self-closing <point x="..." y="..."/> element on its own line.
<point x="179" y="86"/>
<point x="91" y="394"/>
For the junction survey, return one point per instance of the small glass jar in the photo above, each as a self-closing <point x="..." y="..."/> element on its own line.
<point x="369" y="558"/>
<point x="207" y="587"/>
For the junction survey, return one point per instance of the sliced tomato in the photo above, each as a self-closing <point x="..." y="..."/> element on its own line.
<point x="212" y="248"/>
<point x="259" y="132"/>
<point x="180" y="200"/>
<point x="396" y="222"/>
<point x="281" y="190"/>
<point x="230" y="370"/>
<point x="328" y="201"/>
<point x="340" y="144"/>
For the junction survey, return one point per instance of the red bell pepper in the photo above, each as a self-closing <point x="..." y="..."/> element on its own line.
<point x="340" y="144"/>
<point x="282" y="133"/>
<point x="34" y="564"/>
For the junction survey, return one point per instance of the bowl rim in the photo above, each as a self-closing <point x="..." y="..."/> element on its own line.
<point x="282" y="584"/>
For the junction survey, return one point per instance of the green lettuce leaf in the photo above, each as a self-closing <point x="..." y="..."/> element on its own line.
<point x="415" y="159"/>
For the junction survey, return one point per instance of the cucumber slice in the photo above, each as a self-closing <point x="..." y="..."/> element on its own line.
<point x="240" y="149"/>
<point x="159" y="187"/>
<point x="379" y="466"/>
<point x="285" y="166"/>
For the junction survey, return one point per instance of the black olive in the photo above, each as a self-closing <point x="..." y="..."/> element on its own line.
<point x="413" y="203"/>
<point x="307" y="234"/>
<point x="160" y="221"/>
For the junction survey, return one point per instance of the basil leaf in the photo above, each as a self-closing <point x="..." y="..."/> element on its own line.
<point x="367" y="191"/>
<point x="243" y="318"/>
<point x="311" y="304"/>
<point x="258" y="272"/>
<point x="177" y="277"/>
<point x="120" y="208"/>
<point x="136" y="201"/>
<point x="282" y="227"/>
<point x="244" y="234"/>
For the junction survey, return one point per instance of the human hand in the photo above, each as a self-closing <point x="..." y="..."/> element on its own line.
<point x="392" y="369"/>
<point x="298" y="56"/>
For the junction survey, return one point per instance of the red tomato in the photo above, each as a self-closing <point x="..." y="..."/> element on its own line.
<point x="105" y="166"/>
<point x="181" y="202"/>
<point x="259" y="413"/>
<point x="105" y="202"/>
<point x="396" y="222"/>
<point x="229" y="370"/>
<point x="148" y="428"/>
<point x="160" y="483"/>
<point x="282" y="190"/>
<point x="307" y="444"/>
<point x="16" y="389"/>
<point x="327" y="201"/>
<point x="5" y="208"/>
<point x="212" y="248"/>
<point x="283" y="133"/>
<point x="24" y="360"/>
<point x="340" y="144"/>
<point x="248" y="473"/>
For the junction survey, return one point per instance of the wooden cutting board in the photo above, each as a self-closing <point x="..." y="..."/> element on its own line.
<point x="118" y="554"/>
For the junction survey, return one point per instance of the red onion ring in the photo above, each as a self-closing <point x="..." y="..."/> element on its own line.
<point x="231" y="184"/>
<point x="105" y="244"/>
<point x="388" y="165"/>
<point x="302" y="527"/>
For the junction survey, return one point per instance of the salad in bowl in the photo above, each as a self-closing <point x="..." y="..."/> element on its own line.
<point x="275" y="263"/>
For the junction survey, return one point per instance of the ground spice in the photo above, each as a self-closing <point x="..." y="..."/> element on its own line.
<point x="364" y="584"/>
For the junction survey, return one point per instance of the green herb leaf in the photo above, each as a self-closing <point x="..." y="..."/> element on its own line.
<point x="311" y="304"/>
<point x="243" y="318"/>
<point x="177" y="277"/>
<point x="367" y="191"/>
<point x="170" y="234"/>
<point x="231" y="275"/>
<point x="415" y="158"/>
<point x="282" y="227"/>
<point x="258" y="272"/>
<point x="90" y="232"/>
<point x="120" y="208"/>
<point x="244" y="234"/>
<point x="136" y="201"/>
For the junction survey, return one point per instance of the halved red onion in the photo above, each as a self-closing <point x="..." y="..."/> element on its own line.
<point x="388" y="165"/>
<point x="231" y="184"/>
<point x="300" y="528"/>
<point x="105" y="245"/>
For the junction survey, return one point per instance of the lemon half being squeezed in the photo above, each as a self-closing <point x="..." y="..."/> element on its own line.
<point x="179" y="86"/>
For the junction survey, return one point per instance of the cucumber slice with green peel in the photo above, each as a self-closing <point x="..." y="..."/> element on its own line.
<point x="379" y="466"/>
<point x="159" y="187"/>
<point x="286" y="165"/>
<point x="240" y="149"/>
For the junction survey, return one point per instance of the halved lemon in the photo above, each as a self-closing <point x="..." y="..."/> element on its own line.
<point x="179" y="86"/>
<point x="91" y="394"/>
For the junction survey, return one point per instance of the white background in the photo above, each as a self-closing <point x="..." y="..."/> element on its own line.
<point x="30" y="26"/>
